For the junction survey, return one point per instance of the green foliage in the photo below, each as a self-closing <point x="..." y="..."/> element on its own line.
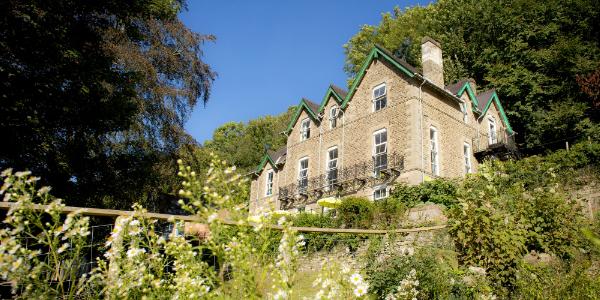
<point x="558" y="280"/>
<point x="355" y="212"/>
<point x="531" y="51"/>
<point x="514" y="207"/>
<point x="42" y="254"/>
<point x="325" y="241"/>
<point x="438" y="191"/>
<point x="436" y="273"/>
<point x="389" y="213"/>
<point x="95" y="96"/>
<point x="316" y="241"/>
<point x="244" y="144"/>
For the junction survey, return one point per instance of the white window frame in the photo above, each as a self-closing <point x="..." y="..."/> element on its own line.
<point x="302" y="172"/>
<point x="269" y="183"/>
<point x="434" y="150"/>
<point x="467" y="158"/>
<point x="376" y="146"/>
<point x="377" y="192"/>
<point x="463" y="109"/>
<point x="492" y="130"/>
<point x="382" y="97"/>
<point x="329" y="161"/>
<point x="305" y="129"/>
<point x="333" y="112"/>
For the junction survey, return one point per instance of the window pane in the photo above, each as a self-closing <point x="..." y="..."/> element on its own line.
<point x="379" y="91"/>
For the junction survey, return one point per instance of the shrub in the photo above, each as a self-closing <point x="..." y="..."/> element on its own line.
<point x="438" y="191"/>
<point x="388" y="213"/>
<point x="355" y="212"/>
<point x="316" y="241"/>
<point x="434" y="275"/>
<point x="501" y="216"/>
<point x="558" y="280"/>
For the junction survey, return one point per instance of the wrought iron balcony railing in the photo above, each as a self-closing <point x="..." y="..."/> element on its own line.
<point x="487" y="141"/>
<point x="380" y="167"/>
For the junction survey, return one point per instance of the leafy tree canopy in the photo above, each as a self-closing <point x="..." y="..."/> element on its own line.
<point x="95" y="95"/>
<point x="532" y="51"/>
<point x="244" y="145"/>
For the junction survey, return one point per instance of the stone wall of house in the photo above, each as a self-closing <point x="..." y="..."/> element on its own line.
<point x="259" y="200"/>
<point x="412" y="109"/>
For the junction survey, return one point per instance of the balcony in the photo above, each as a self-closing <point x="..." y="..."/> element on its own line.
<point x="498" y="144"/>
<point x="379" y="169"/>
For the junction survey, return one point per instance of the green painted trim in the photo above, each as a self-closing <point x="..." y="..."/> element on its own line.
<point x="375" y="53"/>
<point x="297" y="115"/>
<point x="494" y="97"/>
<point x="471" y="94"/>
<point x="330" y="92"/>
<point x="263" y="163"/>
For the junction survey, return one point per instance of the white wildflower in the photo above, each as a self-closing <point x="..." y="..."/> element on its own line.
<point x="212" y="217"/>
<point x="63" y="248"/>
<point x="360" y="290"/>
<point x="356" y="279"/>
<point x="281" y="294"/>
<point x="281" y="221"/>
<point x="133" y="252"/>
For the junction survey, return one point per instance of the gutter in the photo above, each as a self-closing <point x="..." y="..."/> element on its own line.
<point x="438" y="88"/>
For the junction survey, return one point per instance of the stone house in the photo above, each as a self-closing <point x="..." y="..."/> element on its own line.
<point x="395" y="124"/>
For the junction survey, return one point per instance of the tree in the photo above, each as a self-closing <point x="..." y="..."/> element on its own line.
<point x="530" y="50"/>
<point x="95" y="94"/>
<point x="243" y="145"/>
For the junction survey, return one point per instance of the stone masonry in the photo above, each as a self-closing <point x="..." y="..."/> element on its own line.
<point x="416" y="105"/>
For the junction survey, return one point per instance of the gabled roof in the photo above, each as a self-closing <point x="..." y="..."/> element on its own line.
<point x="311" y="109"/>
<point x="275" y="158"/>
<point x="279" y="155"/>
<point x="455" y="87"/>
<point x="485" y="101"/>
<point x="336" y="92"/>
<point x="340" y="91"/>
<point x="378" y="52"/>
<point x="466" y="87"/>
<point x="481" y="102"/>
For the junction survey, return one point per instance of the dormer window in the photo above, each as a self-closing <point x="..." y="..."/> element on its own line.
<point x="379" y="97"/>
<point x="305" y="129"/>
<point x="333" y="117"/>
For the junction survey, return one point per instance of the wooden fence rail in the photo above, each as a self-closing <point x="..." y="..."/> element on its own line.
<point x="193" y="219"/>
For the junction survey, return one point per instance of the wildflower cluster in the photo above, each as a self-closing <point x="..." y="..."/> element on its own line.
<point x="142" y="262"/>
<point x="339" y="283"/>
<point x="407" y="290"/>
<point x="36" y="245"/>
<point x="286" y="263"/>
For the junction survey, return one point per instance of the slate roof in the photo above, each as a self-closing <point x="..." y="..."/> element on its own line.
<point x="340" y="91"/>
<point x="278" y="156"/>
<point x="455" y="87"/>
<point x="397" y="59"/>
<point x="484" y="98"/>
<point x="313" y="106"/>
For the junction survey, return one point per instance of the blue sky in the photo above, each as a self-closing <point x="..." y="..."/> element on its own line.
<point x="270" y="54"/>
